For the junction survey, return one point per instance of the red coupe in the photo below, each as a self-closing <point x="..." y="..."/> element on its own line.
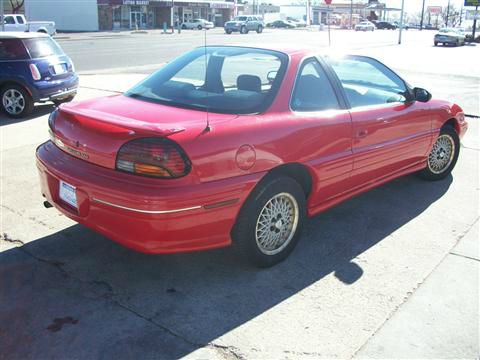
<point x="238" y="145"/>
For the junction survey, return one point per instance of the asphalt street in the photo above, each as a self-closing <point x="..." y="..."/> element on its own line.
<point x="391" y="273"/>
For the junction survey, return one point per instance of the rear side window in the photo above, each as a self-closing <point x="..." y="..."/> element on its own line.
<point x="12" y="49"/>
<point x="42" y="47"/>
<point x="20" y="20"/>
<point x="313" y="90"/>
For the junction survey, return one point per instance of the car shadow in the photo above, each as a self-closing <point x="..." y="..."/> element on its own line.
<point x="39" y="110"/>
<point x="193" y="298"/>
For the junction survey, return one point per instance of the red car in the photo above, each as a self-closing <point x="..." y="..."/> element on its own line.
<point x="239" y="145"/>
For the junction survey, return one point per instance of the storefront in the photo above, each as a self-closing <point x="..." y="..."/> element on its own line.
<point x="151" y="14"/>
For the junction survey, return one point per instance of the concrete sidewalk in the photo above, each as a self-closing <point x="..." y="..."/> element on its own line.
<point x="441" y="319"/>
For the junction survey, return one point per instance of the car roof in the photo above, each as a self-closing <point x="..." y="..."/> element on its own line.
<point x="21" y="35"/>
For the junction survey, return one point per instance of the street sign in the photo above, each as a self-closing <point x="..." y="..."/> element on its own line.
<point x="472" y="2"/>
<point x="328" y="2"/>
<point x="434" y="10"/>
<point x="472" y="15"/>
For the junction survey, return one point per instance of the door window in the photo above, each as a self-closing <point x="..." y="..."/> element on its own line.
<point x="368" y="82"/>
<point x="9" y="20"/>
<point x="20" y="20"/>
<point x="313" y="90"/>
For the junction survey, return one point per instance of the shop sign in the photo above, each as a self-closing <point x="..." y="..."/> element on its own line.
<point x="136" y="2"/>
<point x="222" y="5"/>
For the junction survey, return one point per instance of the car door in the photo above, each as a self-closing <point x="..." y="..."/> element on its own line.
<point x="326" y="139"/>
<point x="390" y="132"/>
<point x="10" y="24"/>
<point x="250" y="23"/>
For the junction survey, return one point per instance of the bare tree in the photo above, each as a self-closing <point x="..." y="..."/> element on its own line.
<point x="16" y="5"/>
<point x="454" y="16"/>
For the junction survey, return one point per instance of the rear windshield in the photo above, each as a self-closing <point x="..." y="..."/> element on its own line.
<point x="12" y="49"/>
<point x="231" y="80"/>
<point x="42" y="47"/>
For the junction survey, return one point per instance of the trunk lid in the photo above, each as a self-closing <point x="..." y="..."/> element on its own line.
<point x="94" y="130"/>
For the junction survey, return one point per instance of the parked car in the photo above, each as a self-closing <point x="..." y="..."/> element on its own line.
<point x="412" y="26"/>
<point x="244" y="24"/>
<point x="17" y="22"/>
<point x="283" y="24"/>
<point x="365" y="26"/>
<point x="385" y="25"/>
<point x="198" y="24"/>
<point x="297" y="22"/>
<point x="449" y="36"/>
<point x="33" y="68"/>
<point x="430" y="27"/>
<point x="243" y="152"/>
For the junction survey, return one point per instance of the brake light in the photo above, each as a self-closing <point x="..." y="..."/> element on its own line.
<point x="154" y="157"/>
<point x="35" y="73"/>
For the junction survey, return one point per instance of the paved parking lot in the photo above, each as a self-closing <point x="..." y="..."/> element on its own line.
<point x="391" y="273"/>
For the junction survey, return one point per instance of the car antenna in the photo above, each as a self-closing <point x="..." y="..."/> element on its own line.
<point x="207" y="128"/>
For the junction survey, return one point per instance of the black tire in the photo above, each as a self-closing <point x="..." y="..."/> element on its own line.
<point x="457" y="43"/>
<point x="259" y="29"/>
<point x="435" y="43"/>
<point x="243" y="30"/>
<point x="199" y="27"/>
<point x="25" y="99"/>
<point x="184" y="26"/>
<point x="68" y="99"/>
<point x="228" y="31"/>
<point x="429" y="172"/>
<point x="244" y="233"/>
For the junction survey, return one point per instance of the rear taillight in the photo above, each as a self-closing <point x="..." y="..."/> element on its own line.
<point x="35" y="73"/>
<point x="154" y="157"/>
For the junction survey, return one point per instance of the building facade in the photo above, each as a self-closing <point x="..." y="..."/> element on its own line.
<point x="102" y="15"/>
<point x="154" y="14"/>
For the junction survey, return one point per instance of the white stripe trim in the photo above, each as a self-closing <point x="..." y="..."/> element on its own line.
<point x="146" y="211"/>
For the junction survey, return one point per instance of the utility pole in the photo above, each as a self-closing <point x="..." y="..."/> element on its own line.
<point x="475" y="23"/>
<point x="351" y="14"/>
<point x="448" y="12"/>
<point x="2" y="13"/>
<point x="423" y="12"/>
<point x="401" y="23"/>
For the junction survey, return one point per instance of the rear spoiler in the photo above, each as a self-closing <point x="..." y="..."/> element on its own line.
<point x="120" y="124"/>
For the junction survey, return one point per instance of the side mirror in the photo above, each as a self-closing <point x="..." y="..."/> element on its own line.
<point x="421" y="95"/>
<point x="271" y="75"/>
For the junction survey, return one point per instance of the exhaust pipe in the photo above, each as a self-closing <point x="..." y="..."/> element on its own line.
<point x="47" y="204"/>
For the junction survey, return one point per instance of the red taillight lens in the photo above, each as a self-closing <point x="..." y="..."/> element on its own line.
<point x="155" y="157"/>
<point x="35" y="73"/>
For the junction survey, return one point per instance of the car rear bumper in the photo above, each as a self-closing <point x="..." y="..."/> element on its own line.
<point x="55" y="90"/>
<point x="140" y="213"/>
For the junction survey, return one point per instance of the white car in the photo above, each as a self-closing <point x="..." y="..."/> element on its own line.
<point x="17" y="22"/>
<point x="365" y="26"/>
<point x="449" y="36"/>
<point x="198" y="24"/>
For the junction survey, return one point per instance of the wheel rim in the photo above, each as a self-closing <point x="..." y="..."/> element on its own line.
<point x="442" y="154"/>
<point x="13" y="101"/>
<point x="276" y="224"/>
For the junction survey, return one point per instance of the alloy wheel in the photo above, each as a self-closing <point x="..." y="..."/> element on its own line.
<point x="13" y="101"/>
<point x="277" y="223"/>
<point x="442" y="154"/>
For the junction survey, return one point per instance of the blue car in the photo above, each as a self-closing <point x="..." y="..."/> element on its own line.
<point x="33" y="68"/>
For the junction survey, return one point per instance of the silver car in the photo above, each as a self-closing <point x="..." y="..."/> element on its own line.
<point x="198" y="24"/>
<point x="365" y="26"/>
<point x="447" y="36"/>
<point x="244" y="24"/>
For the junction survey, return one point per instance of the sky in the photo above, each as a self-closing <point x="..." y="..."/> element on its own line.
<point x="413" y="6"/>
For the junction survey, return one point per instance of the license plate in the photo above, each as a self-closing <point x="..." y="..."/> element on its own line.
<point x="59" y="69"/>
<point x="67" y="193"/>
